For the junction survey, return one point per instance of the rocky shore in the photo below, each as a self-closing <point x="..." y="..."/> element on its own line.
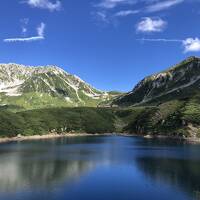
<point x="54" y="135"/>
<point x="42" y="137"/>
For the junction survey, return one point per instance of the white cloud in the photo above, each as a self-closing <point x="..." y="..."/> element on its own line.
<point x="40" y="29"/>
<point x="24" y="30"/>
<point x="142" y="6"/>
<point x="148" y="24"/>
<point x="124" y="13"/>
<point x="162" y="5"/>
<point x="160" y="40"/>
<point x="153" y="5"/>
<point x="39" y="36"/>
<point x="28" y="39"/>
<point x="102" y="16"/>
<point x="24" y="22"/>
<point x="191" y="45"/>
<point x="108" y="4"/>
<point x="45" y="4"/>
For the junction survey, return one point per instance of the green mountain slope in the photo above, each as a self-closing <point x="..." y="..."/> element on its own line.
<point x="173" y="118"/>
<point x="57" y="120"/>
<point x="178" y="82"/>
<point x="39" y="87"/>
<point x="166" y="103"/>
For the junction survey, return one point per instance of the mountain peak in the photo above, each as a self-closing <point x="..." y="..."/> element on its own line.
<point x="45" y="86"/>
<point x="190" y="58"/>
<point x="178" y="81"/>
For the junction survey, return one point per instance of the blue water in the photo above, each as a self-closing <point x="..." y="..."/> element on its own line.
<point x="99" y="168"/>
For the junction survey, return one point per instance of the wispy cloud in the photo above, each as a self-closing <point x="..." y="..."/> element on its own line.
<point x="142" y="6"/>
<point x="189" y="44"/>
<point x="101" y="16"/>
<point x="28" y="39"/>
<point x="124" y="13"/>
<point x="109" y="4"/>
<point x="45" y="4"/>
<point x="159" y="40"/>
<point x="162" y="5"/>
<point x="151" y="5"/>
<point x="148" y="24"/>
<point x="24" y="22"/>
<point x="40" y="29"/>
<point x="39" y="36"/>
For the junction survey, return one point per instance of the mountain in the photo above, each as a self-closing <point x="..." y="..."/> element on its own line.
<point x="165" y="104"/>
<point x="178" y="82"/>
<point x="27" y="87"/>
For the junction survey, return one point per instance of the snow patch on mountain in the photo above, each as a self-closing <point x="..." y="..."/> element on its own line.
<point x="68" y="99"/>
<point x="11" y="88"/>
<point x="51" y="82"/>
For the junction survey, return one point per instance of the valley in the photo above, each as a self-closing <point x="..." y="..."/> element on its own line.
<point x="45" y="100"/>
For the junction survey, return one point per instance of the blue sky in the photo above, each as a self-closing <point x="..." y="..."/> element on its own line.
<point x="111" y="44"/>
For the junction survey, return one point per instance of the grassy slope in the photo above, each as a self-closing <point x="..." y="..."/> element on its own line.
<point x="35" y="100"/>
<point x="173" y="118"/>
<point x="89" y="120"/>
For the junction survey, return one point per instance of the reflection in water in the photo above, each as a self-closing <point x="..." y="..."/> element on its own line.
<point x="48" y="162"/>
<point x="117" y="166"/>
<point x="15" y="174"/>
<point x="180" y="173"/>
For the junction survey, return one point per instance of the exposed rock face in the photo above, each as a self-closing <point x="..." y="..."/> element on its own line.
<point x="45" y="86"/>
<point x="178" y="81"/>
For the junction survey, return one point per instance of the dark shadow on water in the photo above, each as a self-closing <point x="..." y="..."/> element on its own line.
<point x="178" y="173"/>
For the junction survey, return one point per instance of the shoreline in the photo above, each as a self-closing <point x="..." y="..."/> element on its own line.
<point x="47" y="136"/>
<point x="164" y="137"/>
<point x="186" y="139"/>
<point x="53" y="135"/>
